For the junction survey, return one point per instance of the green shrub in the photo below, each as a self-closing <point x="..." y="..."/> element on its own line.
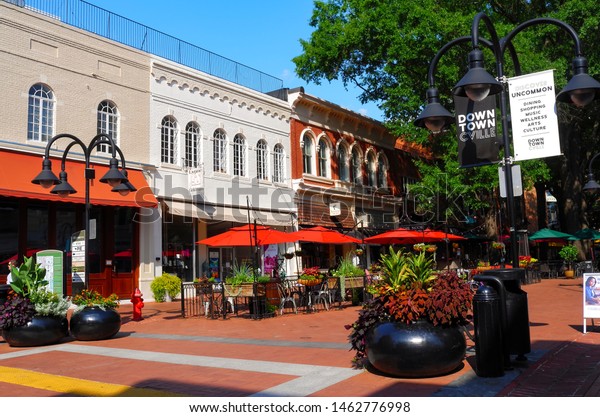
<point x="163" y="284"/>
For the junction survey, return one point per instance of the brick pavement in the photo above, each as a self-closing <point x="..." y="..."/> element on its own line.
<point x="294" y="355"/>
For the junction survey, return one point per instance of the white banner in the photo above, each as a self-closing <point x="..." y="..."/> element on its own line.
<point x="533" y="116"/>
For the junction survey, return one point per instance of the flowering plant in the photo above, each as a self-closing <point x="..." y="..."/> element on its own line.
<point x="525" y="261"/>
<point x="410" y="290"/>
<point x="311" y="276"/>
<point x="498" y="245"/>
<point x="92" y="298"/>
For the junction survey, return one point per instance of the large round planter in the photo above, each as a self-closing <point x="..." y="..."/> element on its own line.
<point x="40" y="331"/>
<point x="93" y="323"/>
<point x="416" y="350"/>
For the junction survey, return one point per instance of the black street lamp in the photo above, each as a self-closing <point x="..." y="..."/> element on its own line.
<point x="591" y="186"/>
<point x="477" y="84"/>
<point x="114" y="177"/>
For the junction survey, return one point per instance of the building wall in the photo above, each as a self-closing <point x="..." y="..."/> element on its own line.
<point x="82" y="70"/>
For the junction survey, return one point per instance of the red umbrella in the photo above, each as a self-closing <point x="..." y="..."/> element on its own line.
<point x="246" y="236"/>
<point x="320" y="234"/>
<point x="398" y="236"/>
<point x="439" y="236"/>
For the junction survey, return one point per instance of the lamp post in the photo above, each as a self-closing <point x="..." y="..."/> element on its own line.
<point x="477" y="84"/>
<point x="114" y="177"/>
<point x="591" y="186"/>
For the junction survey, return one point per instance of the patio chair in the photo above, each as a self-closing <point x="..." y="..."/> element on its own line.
<point x="286" y="296"/>
<point x="320" y="294"/>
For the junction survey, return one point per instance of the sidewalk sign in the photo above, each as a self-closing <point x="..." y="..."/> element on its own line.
<point x="52" y="261"/>
<point x="591" y="307"/>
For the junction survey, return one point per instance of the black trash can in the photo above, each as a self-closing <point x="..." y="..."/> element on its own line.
<point x="515" y="314"/>
<point x="487" y="320"/>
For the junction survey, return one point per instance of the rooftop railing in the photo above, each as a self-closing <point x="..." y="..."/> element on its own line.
<point x="91" y="18"/>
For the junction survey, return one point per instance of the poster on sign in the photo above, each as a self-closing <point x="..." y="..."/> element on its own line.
<point x="478" y="141"/>
<point x="533" y="115"/>
<point x="591" y="297"/>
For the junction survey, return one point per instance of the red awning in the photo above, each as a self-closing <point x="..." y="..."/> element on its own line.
<point x="18" y="169"/>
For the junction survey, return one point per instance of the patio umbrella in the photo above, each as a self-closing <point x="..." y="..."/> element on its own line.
<point x="439" y="236"/>
<point x="585" y="234"/>
<point x="549" y="235"/>
<point x="320" y="234"/>
<point x="245" y="236"/>
<point x="398" y="236"/>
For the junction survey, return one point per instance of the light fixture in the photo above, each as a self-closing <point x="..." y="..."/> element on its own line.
<point x="63" y="189"/>
<point x="46" y="177"/>
<point x="125" y="187"/>
<point x="582" y="89"/>
<point x="434" y="116"/>
<point x="113" y="176"/>
<point x="477" y="83"/>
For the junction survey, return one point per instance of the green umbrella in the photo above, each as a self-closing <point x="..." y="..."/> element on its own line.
<point x="547" y="235"/>
<point x="585" y="234"/>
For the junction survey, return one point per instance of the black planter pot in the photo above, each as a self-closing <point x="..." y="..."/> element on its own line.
<point x="93" y="323"/>
<point x="40" y="331"/>
<point x="415" y="350"/>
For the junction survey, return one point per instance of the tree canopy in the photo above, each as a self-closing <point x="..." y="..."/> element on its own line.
<point x="385" y="48"/>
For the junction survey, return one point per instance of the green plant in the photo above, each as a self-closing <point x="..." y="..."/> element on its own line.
<point x="48" y="303"/>
<point x="28" y="278"/>
<point x="92" y="298"/>
<point x="410" y="290"/>
<point x="240" y="274"/>
<point x="16" y="311"/>
<point x="346" y="267"/>
<point x="165" y="283"/>
<point x="569" y="253"/>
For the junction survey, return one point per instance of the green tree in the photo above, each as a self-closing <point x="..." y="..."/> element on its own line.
<point x="385" y="49"/>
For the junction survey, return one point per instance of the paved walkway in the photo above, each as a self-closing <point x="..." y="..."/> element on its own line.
<point x="294" y="355"/>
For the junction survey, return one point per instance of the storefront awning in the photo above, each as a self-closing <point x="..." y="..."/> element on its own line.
<point x="230" y="214"/>
<point x="18" y="169"/>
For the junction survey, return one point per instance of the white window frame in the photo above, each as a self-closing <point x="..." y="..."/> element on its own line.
<point x="108" y="123"/>
<point x="262" y="160"/>
<point x="239" y="155"/>
<point x="192" y="145"/>
<point x="220" y="151"/>
<point x="278" y="163"/>
<point x="40" y="113"/>
<point x="168" y="140"/>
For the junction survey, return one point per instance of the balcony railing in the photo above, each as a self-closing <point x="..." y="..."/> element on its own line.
<point x="94" y="19"/>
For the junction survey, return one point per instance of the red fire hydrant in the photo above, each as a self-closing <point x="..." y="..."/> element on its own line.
<point x="138" y="304"/>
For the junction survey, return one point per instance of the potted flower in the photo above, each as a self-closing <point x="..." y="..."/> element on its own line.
<point x="310" y="276"/>
<point x="410" y="328"/>
<point x="32" y="315"/>
<point x="350" y="276"/>
<point x="95" y="317"/>
<point x="569" y="254"/>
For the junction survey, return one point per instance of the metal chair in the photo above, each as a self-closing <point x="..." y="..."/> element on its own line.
<point x="286" y="296"/>
<point x="320" y="294"/>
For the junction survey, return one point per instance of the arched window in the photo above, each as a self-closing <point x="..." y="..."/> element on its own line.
<point x="324" y="158"/>
<point x="40" y="118"/>
<point x="168" y="140"/>
<point x="371" y="170"/>
<point x="278" y="163"/>
<point x="262" y="152"/>
<point x="382" y="171"/>
<point x="192" y="143"/>
<point x="308" y="154"/>
<point x="356" y="167"/>
<point x="219" y="151"/>
<point x="239" y="156"/>
<point x="343" y="163"/>
<point x="108" y="123"/>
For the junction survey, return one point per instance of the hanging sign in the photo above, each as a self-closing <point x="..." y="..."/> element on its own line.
<point x="78" y="258"/>
<point x="533" y="116"/>
<point x="478" y="141"/>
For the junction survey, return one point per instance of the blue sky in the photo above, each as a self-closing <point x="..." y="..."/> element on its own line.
<point x="260" y="34"/>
